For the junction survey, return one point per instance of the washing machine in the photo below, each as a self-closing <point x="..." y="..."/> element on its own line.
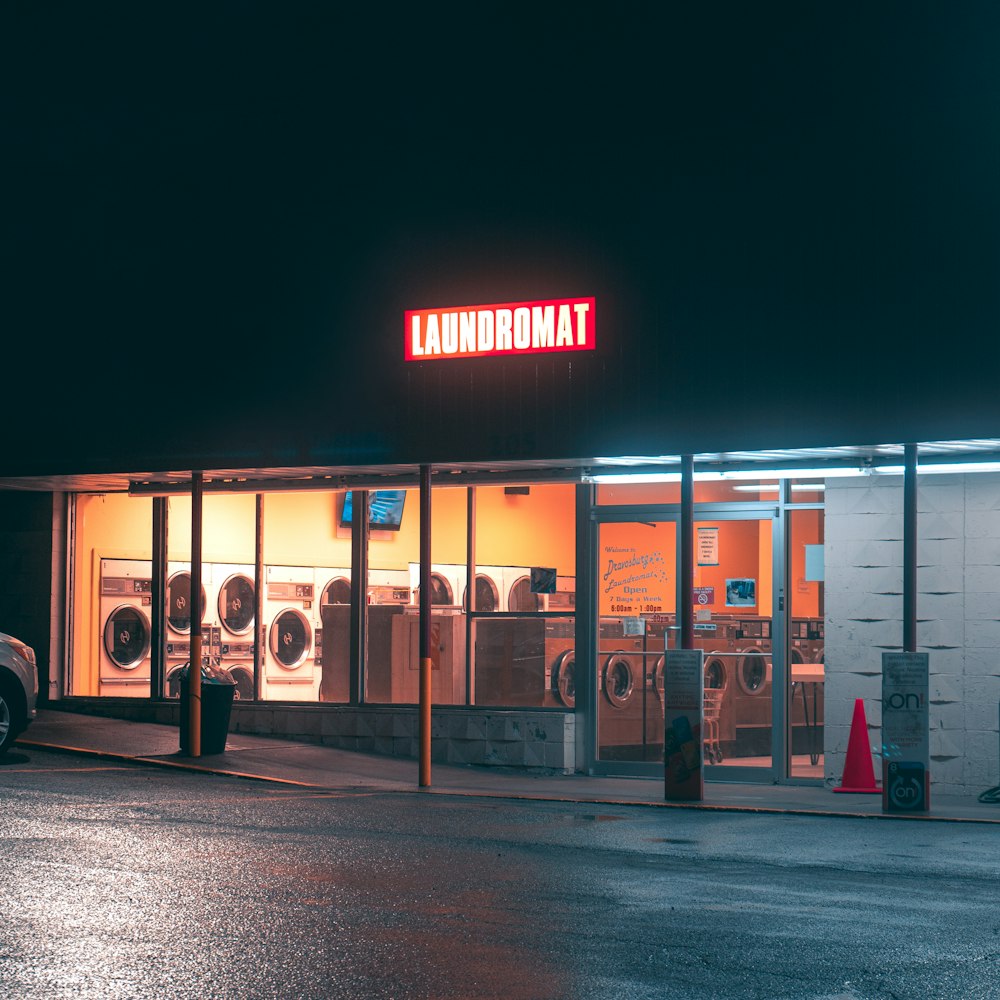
<point x="806" y="647"/>
<point x="332" y="633"/>
<point x="749" y="695"/>
<point x="447" y="584"/>
<point x="178" y="621"/>
<point x="236" y="609"/>
<point x="518" y="589"/>
<point x="290" y="672"/>
<point x="126" y="598"/>
<point x="630" y="718"/>
<point x="807" y="639"/>
<point x="493" y="584"/>
<point x="560" y="663"/>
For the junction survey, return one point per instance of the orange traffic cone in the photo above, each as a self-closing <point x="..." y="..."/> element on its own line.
<point x="859" y="774"/>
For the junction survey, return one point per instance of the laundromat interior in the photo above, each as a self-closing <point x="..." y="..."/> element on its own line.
<point x="513" y="649"/>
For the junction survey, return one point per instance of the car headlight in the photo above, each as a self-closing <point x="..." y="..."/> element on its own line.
<point x="25" y="652"/>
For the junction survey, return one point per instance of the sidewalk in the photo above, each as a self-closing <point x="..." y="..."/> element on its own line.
<point x="307" y="765"/>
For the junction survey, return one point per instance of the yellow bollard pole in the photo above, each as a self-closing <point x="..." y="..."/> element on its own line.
<point x="424" y="715"/>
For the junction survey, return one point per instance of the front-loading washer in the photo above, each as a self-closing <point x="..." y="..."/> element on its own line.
<point x="749" y="698"/>
<point x="447" y="584"/>
<point x="236" y="609"/>
<point x="627" y="725"/>
<point x="126" y="598"/>
<point x="178" y="622"/>
<point x="290" y="672"/>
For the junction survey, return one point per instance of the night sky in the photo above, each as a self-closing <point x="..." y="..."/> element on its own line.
<point x="214" y="215"/>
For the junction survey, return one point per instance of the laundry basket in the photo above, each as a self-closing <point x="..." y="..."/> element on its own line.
<point x="713" y="706"/>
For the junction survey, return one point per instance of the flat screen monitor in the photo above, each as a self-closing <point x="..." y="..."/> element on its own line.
<point x="386" y="509"/>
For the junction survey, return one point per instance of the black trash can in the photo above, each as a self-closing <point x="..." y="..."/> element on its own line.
<point x="217" y="690"/>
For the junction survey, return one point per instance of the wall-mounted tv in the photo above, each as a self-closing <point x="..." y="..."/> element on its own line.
<point x="385" y="513"/>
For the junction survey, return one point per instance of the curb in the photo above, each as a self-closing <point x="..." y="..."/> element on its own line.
<point x="182" y="765"/>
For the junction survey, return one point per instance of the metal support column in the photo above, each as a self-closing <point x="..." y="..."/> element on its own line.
<point x="258" y="588"/>
<point x="194" y="670"/>
<point x="361" y="500"/>
<point x="686" y="545"/>
<point x="425" y="626"/>
<point x="158" y="615"/>
<point x="470" y="589"/>
<point x="909" y="548"/>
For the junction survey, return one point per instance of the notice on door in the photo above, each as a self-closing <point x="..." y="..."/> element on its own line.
<point x="906" y="778"/>
<point x="708" y="546"/>
<point x="683" y="724"/>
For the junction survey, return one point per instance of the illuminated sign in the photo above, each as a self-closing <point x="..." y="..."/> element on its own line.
<point x="508" y="328"/>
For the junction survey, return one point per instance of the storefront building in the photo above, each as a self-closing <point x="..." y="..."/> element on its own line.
<point x="551" y="404"/>
<point x="797" y="591"/>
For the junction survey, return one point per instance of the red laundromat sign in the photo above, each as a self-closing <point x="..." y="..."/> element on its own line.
<point x="508" y="328"/>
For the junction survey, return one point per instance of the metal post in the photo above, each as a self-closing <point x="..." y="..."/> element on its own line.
<point x="909" y="548"/>
<point x="194" y="670"/>
<point x="686" y="607"/>
<point x="470" y="589"/>
<point x="361" y="500"/>
<point x="425" y="626"/>
<point x="158" y="671"/>
<point x="258" y="588"/>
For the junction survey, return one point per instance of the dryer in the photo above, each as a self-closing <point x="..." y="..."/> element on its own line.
<point x="236" y="609"/>
<point x="290" y="673"/>
<point x="126" y="597"/>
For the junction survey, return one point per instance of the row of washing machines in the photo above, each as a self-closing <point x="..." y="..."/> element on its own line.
<point x="300" y="606"/>
<point x="532" y="662"/>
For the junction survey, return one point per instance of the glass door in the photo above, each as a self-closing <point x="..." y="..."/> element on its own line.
<point x="737" y="584"/>
<point x="637" y="607"/>
<point x="735" y="626"/>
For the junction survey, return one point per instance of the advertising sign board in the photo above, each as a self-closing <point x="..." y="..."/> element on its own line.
<point x="508" y="328"/>
<point x="906" y="778"/>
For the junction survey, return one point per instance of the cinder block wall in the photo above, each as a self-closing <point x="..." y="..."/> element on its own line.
<point x="534" y="740"/>
<point x="958" y="616"/>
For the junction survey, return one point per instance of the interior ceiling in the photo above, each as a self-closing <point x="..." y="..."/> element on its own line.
<point x="472" y="473"/>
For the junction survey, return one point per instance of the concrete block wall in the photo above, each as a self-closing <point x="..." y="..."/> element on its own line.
<point x="542" y="740"/>
<point x="958" y="616"/>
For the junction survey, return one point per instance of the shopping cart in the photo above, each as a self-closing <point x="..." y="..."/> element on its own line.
<point x="713" y="706"/>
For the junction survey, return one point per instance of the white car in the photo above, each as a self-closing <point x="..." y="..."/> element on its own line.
<point x="18" y="689"/>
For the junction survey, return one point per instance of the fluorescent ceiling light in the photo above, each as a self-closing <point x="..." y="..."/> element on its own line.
<point x="721" y="477"/>
<point x="773" y="487"/>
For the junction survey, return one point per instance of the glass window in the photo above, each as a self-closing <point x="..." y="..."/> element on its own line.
<point x="112" y="596"/>
<point x="638" y="493"/>
<point x="525" y="557"/>
<point x="806" y="671"/>
<point x="393" y="659"/>
<point x="307" y="558"/>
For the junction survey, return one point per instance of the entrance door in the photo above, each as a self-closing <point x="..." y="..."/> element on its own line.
<point x="737" y="628"/>
<point x="637" y="608"/>
<point x="736" y="623"/>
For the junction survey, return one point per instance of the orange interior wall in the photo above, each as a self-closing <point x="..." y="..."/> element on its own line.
<point x="303" y="529"/>
<point x="744" y="552"/>
<point x="111" y="526"/>
<point x="228" y="528"/>
<point x="806" y="529"/>
<point x="536" y="529"/>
